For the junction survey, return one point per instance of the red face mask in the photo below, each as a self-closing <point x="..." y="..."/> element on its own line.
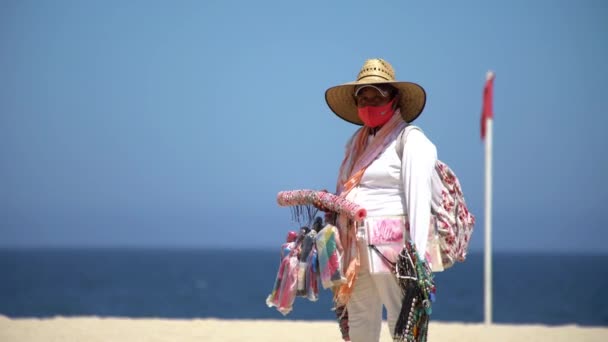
<point x="376" y="116"/>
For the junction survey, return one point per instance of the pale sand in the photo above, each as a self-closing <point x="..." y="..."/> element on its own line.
<point x="96" y="329"/>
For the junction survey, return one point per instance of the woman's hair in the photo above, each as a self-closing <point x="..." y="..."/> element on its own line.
<point x="392" y="90"/>
<point x="394" y="94"/>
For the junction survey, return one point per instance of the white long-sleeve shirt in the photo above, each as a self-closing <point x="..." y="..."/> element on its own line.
<point x="383" y="192"/>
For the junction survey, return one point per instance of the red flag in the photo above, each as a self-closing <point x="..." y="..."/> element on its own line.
<point x="486" y="111"/>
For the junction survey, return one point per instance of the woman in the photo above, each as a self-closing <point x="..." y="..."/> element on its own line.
<point x="385" y="182"/>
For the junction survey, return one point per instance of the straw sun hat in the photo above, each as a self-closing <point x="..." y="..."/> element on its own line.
<point x="341" y="98"/>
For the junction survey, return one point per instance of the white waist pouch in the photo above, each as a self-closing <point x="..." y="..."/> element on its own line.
<point x="384" y="238"/>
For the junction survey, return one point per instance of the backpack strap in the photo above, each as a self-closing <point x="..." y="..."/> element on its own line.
<point x="400" y="145"/>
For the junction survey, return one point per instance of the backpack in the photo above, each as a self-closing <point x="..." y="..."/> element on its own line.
<point x="451" y="222"/>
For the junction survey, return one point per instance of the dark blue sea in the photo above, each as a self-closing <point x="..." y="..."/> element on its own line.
<point x="233" y="284"/>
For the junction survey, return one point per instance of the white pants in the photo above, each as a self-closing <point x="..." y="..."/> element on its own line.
<point x="365" y="304"/>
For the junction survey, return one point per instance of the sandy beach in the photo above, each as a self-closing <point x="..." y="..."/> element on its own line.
<point x="97" y="329"/>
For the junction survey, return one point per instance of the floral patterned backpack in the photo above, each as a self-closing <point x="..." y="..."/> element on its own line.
<point x="451" y="221"/>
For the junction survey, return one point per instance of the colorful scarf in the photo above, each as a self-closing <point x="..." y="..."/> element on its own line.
<point x="359" y="155"/>
<point x="328" y="247"/>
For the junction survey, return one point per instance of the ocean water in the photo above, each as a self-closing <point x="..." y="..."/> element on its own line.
<point x="233" y="284"/>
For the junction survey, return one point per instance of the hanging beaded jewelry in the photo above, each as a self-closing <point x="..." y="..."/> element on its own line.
<point x="416" y="281"/>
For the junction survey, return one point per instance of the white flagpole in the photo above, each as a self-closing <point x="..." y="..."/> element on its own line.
<point x="488" y="222"/>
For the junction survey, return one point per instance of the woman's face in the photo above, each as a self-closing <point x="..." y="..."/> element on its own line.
<point x="369" y="96"/>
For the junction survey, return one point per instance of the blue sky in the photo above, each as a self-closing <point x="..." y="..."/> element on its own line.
<point x="175" y="123"/>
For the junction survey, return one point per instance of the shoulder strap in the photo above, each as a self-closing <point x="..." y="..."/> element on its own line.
<point x="400" y="145"/>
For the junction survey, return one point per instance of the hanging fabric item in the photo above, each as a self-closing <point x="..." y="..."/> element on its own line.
<point x="284" y="290"/>
<point x="312" y="277"/>
<point x="314" y="254"/>
<point x="304" y="262"/>
<point x="328" y="250"/>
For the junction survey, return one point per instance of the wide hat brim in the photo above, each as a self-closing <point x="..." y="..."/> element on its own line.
<point x="341" y="100"/>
